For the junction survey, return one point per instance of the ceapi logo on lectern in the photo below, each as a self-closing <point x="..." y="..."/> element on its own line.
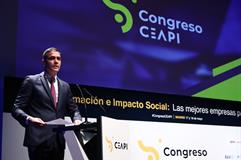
<point x="153" y="153"/>
<point x="166" y="151"/>
<point x="115" y="145"/>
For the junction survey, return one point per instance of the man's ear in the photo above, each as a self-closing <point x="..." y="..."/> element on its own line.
<point x="43" y="62"/>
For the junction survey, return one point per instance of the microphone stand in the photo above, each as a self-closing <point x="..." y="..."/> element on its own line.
<point x="86" y="115"/>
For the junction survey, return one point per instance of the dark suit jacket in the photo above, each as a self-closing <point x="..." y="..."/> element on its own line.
<point x="34" y="99"/>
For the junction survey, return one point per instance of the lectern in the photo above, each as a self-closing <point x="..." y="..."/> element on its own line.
<point x="81" y="140"/>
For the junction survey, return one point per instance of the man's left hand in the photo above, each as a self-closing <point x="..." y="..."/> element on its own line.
<point x="77" y="122"/>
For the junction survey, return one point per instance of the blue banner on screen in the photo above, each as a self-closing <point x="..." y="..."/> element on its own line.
<point x="162" y="46"/>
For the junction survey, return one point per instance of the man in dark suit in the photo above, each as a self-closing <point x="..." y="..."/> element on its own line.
<point x="44" y="97"/>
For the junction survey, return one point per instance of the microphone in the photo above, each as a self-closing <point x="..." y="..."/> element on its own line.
<point x="93" y="96"/>
<point x="82" y="95"/>
<point x="89" y="132"/>
<point x="86" y="111"/>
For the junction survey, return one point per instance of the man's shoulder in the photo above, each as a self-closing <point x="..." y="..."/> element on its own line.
<point x="33" y="77"/>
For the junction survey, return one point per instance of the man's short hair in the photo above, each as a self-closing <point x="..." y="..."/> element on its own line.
<point x="47" y="51"/>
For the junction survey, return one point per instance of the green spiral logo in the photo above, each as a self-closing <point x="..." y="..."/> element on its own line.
<point x="118" y="17"/>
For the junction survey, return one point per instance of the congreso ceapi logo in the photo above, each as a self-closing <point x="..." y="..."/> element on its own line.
<point x="115" y="144"/>
<point x="158" y="154"/>
<point x="153" y="26"/>
<point x="125" y="14"/>
<point x="152" y="152"/>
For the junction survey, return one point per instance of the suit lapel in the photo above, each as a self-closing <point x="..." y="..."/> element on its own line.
<point x="60" y="85"/>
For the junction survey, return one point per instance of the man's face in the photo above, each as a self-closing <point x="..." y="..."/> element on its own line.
<point x="53" y="63"/>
